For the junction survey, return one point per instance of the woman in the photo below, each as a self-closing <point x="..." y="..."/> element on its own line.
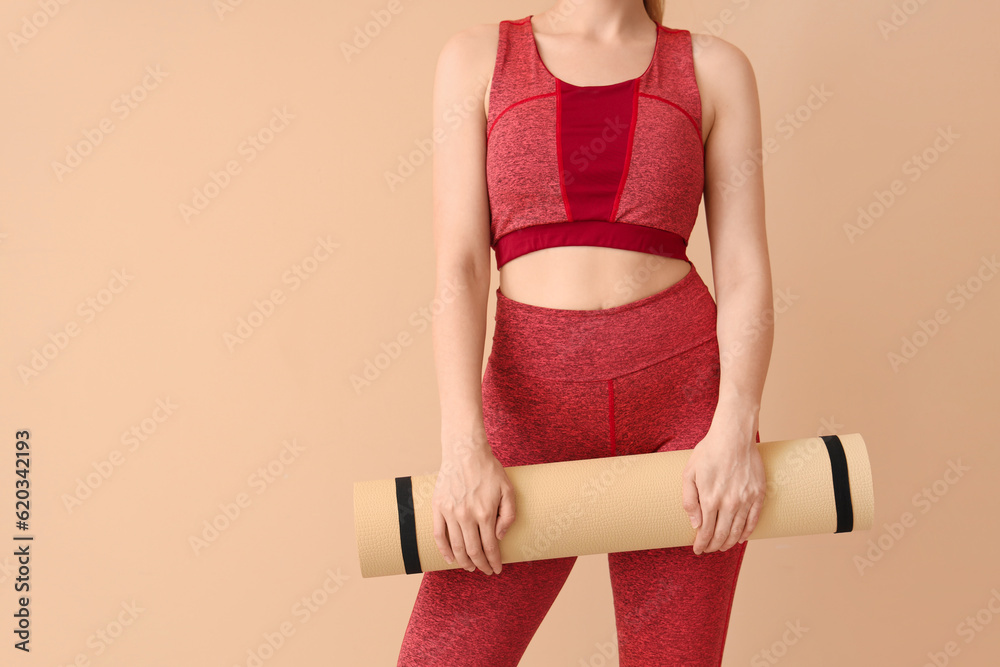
<point x="582" y="165"/>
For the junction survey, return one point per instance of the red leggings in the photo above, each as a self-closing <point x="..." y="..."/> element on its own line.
<point x="577" y="384"/>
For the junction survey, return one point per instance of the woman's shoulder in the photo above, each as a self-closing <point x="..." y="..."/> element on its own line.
<point x="724" y="74"/>
<point x="471" y="45"/>
<point x="718" y="58"/>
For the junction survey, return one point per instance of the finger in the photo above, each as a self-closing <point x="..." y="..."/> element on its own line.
<point x="458" y="544"/>
<point x="441" y="538"/>
<point x="723" y="526"/>
<point x="474" y="546"/>
<point x="506" y="517"/>
<point x="706" y="530"/>
<point x="752" y="517"/>
<point x="690" y="500"/>
<point x="491" y="546"/>
<point x="739" y="521"/>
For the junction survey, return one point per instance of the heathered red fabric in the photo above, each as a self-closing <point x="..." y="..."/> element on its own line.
<point x="628" y="157"/>
<point x="564" y="385"/>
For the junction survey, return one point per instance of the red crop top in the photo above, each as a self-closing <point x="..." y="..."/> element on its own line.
<point x="619" y="166"/>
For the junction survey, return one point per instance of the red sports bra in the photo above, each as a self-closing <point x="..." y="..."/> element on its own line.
<point x="618" y="166"/>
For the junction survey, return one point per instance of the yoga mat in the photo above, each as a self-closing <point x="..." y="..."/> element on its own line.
<point x="619" y="503"/>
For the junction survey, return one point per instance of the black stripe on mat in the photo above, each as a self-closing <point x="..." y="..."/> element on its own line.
<point x="407" y="525"/>
<point x="841" y="483"/>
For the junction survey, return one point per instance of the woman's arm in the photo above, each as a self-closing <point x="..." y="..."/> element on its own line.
<point x="473" y="503"/>
<point x="734" y="208"/>
<point x="461" y="220"/>
<point x="723" y="486"/>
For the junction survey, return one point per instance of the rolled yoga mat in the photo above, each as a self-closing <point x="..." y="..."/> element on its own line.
<point x="619" y="503"/>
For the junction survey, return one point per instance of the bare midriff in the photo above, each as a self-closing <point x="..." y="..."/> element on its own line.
<point x="587" y="277"/>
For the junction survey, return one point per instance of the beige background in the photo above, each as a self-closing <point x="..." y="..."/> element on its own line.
<point x="114" y="515"/>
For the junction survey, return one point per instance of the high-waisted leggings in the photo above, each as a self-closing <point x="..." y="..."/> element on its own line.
<point x="561" y="385"/>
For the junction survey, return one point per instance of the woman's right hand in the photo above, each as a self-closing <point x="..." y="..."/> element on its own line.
<point x="472" y="488"/>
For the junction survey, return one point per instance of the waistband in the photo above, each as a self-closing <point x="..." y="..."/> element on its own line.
<point x="569" y="344"/>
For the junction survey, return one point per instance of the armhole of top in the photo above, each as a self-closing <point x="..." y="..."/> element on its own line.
<point x="694" y="83"/>
<point x="501" y="55"/>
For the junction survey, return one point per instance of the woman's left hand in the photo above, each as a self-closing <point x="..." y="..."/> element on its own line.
<point x="723" y="489"/>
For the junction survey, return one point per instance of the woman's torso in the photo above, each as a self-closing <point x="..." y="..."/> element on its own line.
<point x="590" y="277"/>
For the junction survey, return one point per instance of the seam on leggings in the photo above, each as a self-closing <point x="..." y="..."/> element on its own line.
<point x="729" y="609"/>
<point x="611" y="412"/>
<point x="513" y="371"/>
<point x="506" y="369"/>
<point x="660" y="361"/>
